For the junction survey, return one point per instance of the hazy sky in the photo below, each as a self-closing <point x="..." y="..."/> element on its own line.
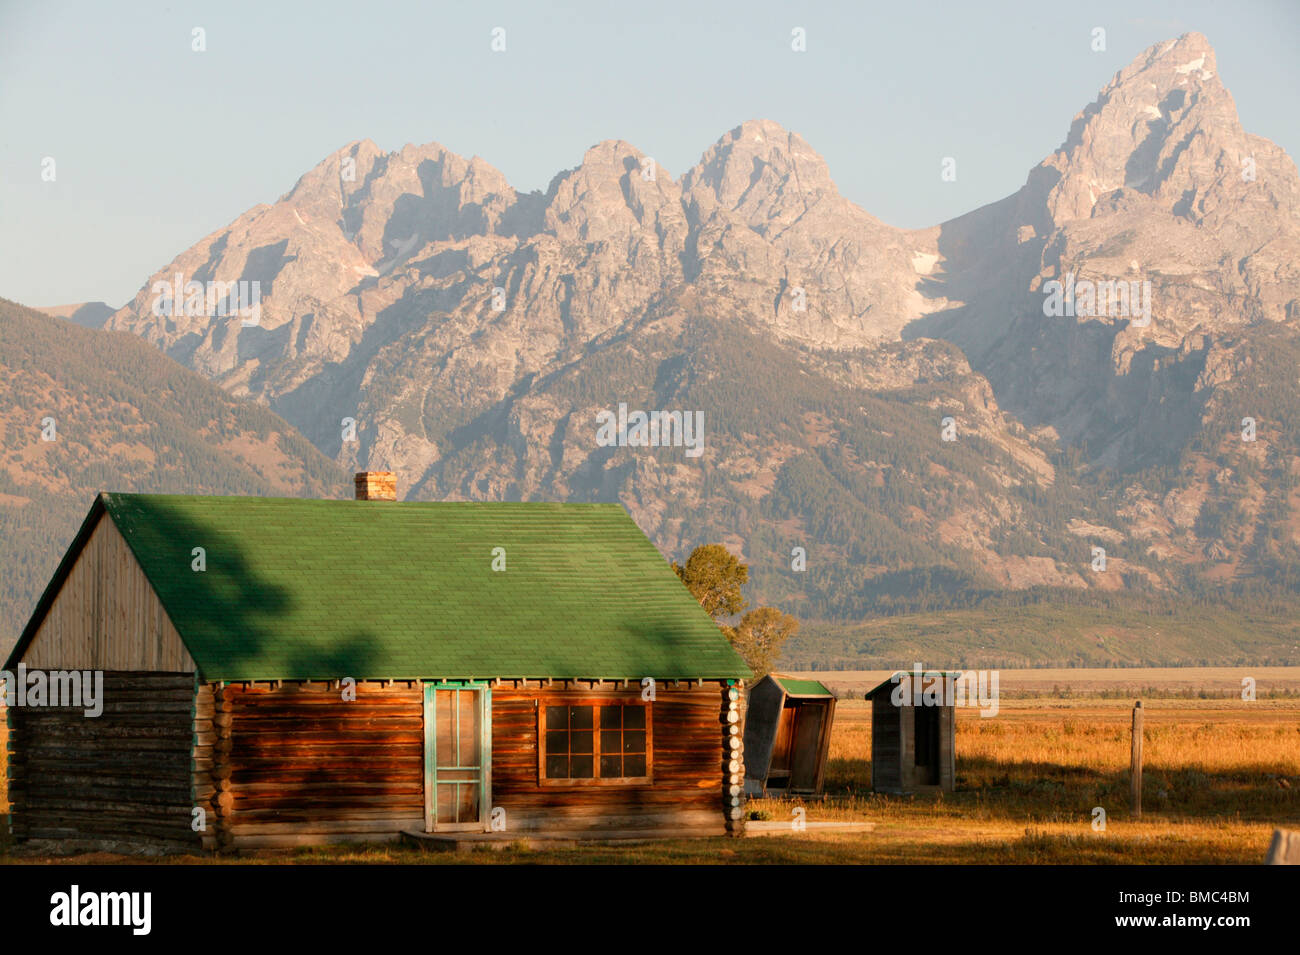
<point x="156" y="145"/>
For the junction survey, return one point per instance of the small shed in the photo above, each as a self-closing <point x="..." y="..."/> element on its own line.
<point x="787" y="735"/>
<point x="913" y="724"/>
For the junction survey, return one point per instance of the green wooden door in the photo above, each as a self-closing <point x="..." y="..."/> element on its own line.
<point x="457" y="756"/>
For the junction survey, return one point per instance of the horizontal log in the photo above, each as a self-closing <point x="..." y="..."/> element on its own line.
<point x="521" y="820"/>
<point x="388" y="823"/>
<point x="91" y="826"/>
<point x="42" y="783"/>
<point x="99" y="761"/>
<point x="252" y="753"/>
<point x="102" y="796"/>
<point x="341" y="790"/>
<point x="344" y="719"/>
<point x="290" y="697"/>
<point x="300" y="815"/>
<point x="326" y="737"/>
<point x="179" y="811"/>
<point x="296" y="840"/>
<point x="304" y="702"/>
<point x="67" y="730"/>
<point x="658" y="790"/>
<point x="342" y="772"/>
<point x="114" y="695"/>
<point x="322" y="803"/>
<point x="345" y="715"/>
<point x="127" y="837"/>
<point x="135" y="752"/>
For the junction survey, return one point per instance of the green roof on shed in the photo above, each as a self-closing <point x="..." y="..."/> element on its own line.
<point x="313" y="589"/>
<point x="795" y="687"/>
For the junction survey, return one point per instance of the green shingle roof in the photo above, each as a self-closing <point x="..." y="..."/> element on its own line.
<point x="795" y="687"/>
<point x="312" y="589"/>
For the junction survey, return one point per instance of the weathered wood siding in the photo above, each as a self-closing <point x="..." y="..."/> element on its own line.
<point x="297" y="764"/>
<point x="948" y="748"/>
<point x="893" y="747"/>
<point x="202" y="759"/>
<point x="107" y="616"/>
<point x="824" y="744"/>
<point x="119" y="780"/>
<point x="886" y="744"/>
<point x="689" y="738"/>
<point x="762" y="717"/>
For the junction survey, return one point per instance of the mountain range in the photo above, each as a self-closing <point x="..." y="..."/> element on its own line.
<point x="932" y="418"/>
<point x="83" y="411"/>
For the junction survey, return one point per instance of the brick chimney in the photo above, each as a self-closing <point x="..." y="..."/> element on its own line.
<point x="376" y="486"/>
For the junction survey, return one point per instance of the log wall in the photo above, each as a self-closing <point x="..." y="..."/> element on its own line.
<point x="119" y="781"/>
<point x="297" y="765"/>
<point x="690" y="785"/>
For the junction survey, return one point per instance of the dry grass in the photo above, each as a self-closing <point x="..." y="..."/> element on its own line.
<point x="1091" y="682"/>
<point x="1219" y="776"/>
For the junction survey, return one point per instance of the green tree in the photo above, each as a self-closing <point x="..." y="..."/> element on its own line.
<point x="714" y="577"/>
<point x="760" y="635"/>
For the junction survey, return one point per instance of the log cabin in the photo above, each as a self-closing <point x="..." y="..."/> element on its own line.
<point x="284" y="672"/>
<point x="913" y="732"/>
<point x="787" y="736"/>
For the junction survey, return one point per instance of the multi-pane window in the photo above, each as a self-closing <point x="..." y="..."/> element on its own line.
<point x="596" y="742"/>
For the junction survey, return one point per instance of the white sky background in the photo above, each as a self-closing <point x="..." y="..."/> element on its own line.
<point x="157" y="146"/>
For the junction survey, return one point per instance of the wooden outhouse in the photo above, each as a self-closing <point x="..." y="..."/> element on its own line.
<point x="787" y="736"/>
<point x="913" y="723"/>
<point x="282" y="672"/>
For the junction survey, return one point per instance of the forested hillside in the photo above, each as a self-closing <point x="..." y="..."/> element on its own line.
<point x="121" y="417"/>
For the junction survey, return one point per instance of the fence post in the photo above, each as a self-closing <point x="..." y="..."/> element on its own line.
<point x="1135" y="769"/>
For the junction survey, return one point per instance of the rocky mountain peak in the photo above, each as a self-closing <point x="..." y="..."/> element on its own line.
<point x="617" y="190"/>
<point x="328" y="188"/>
<point x="761" y="171"/>
<point x="1164" y="128"/>
<point x="472" y="332"/>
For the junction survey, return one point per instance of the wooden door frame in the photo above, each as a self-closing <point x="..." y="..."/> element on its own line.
<point x="431" y="762"/>
<point x="820" y="746"/>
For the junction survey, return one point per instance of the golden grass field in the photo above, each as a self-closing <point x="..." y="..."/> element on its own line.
<point x="1219" y="775"/>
